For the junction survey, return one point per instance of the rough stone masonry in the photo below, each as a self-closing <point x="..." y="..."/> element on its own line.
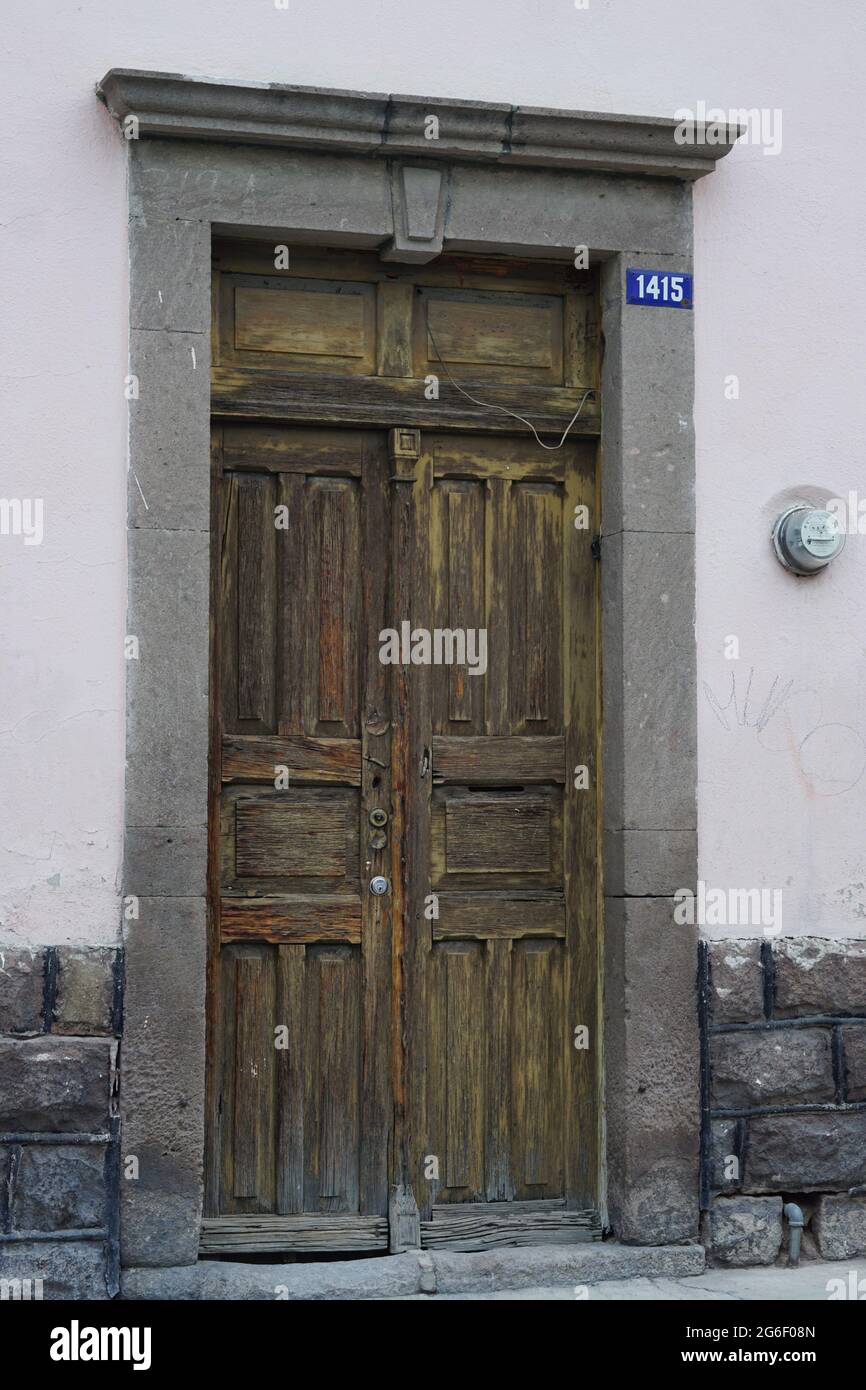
<point x="784" y="1106"/>
<point x="60" y="1021"/>
<point x="784" y="1096"/>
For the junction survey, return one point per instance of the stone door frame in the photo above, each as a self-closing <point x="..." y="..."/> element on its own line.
<point x="358" y="170"/>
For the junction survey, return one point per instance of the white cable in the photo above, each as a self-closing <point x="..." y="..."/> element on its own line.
<point x="486" y="405"/>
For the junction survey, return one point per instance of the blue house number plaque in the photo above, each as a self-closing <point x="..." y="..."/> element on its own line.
<point x="662" y="288"/>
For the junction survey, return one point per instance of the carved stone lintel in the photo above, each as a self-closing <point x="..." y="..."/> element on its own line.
<point x="271" y="113"/>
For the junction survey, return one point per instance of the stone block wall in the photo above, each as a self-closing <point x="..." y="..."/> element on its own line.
<point x="783" y="1030"/>
<point x="60" y="1020"/>
<point x="783" y="1026"/>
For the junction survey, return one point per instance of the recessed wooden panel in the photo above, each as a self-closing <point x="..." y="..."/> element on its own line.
<point x="457" y="604"/>
<point x="491" y="836"/>
<point x="246" y="1050"/>
<point x="333" y="1075"/>
<point x="248" y="585"/>
<point x="332" y="560"/>
<point x="300" y="839"/>
<point x="488" y="336"/>
<point x="495" y="1108"/>
<point x="299" y="321"/>
<point x="540" y="1050"/>
<point x="289" y="839"/>
<point x="285" y="324"/>
<point x="494" y="840"/>
<point x="535" y="584"/>
<point x="253" y="1129"/>
<point x="292" y="1016"/>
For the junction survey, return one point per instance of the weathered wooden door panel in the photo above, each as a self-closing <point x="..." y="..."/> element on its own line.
<point x="505" y="841"/>
<point x="443" y="1013"/>
<point x="300" y="1114"/>
<point x="373" y="1060"/>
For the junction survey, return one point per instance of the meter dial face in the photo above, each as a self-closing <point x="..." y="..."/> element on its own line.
<point x="820" y="534"/>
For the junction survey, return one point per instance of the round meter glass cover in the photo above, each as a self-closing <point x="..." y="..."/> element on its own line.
<point x="820" y="534"/>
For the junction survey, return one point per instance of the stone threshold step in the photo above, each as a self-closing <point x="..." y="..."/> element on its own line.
<point x="421" y="1271"/>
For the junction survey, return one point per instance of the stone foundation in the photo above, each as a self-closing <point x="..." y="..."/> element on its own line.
<point x="783" y="1029"/>
<point x="60" y="1018"/>
<point x="784" y="1095"/>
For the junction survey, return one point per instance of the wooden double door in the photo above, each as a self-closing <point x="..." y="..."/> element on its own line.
<point x="405" y="685"/>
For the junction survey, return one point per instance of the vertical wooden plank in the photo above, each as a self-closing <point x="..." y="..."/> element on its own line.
<point x="463" y="1087"/>
<point x="312" y="1080"/>
<point x="294" y="617"/>
<point x="550" y="586"/>
<point x="537" y="652"/>
<point x="581" y="834"/>
<point x="256" y="585"/>
<point x="496" y="617"/>
<point x="464" y="563"/>
<point x="457" y="589"/>
<point x="352" y="611"/>
<point x="291" y="973"/>
<point x="517" y="583"/>
<point x="436" y="1073"/>
<point x="338" y="607"/>
<point x="536" y="577"/>
<point x="332" y="579"/>
<point x="213" y="1070"/>
<point x="226" y="1048"/>
<point x="557" y="1010"/>
<point x="339" y="1077"/>
<point x="411" y="759"/>
<point x="580" y="339"/>
<point x="333" y="595"/>
<point x="228" y="605"/>
<point x="537" y="1005"/>
<point x="375" y="795"/>
<point x="498" y="1180"/>
<point x="439" y="599"/>
<point x="254" y="1071"/>
<point x="313" y="558"/>
<point x="394" y="327"/>
<point x="545" y="976"/>
<point x="537" y="1061"/>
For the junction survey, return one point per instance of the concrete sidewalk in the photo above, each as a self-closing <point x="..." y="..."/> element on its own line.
<point x="589" y="1271"/>
<point x="810" y="1283"/>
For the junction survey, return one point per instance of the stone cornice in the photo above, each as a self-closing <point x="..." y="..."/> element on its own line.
<point x="314" y="118"/>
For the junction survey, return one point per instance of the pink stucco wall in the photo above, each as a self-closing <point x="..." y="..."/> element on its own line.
<point x="780" y="300"/>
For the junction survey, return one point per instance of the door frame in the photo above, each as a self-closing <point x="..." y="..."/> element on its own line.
<point x="499" y="181"/>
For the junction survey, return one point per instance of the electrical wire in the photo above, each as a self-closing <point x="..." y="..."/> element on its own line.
<point x="487" y="405"/>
